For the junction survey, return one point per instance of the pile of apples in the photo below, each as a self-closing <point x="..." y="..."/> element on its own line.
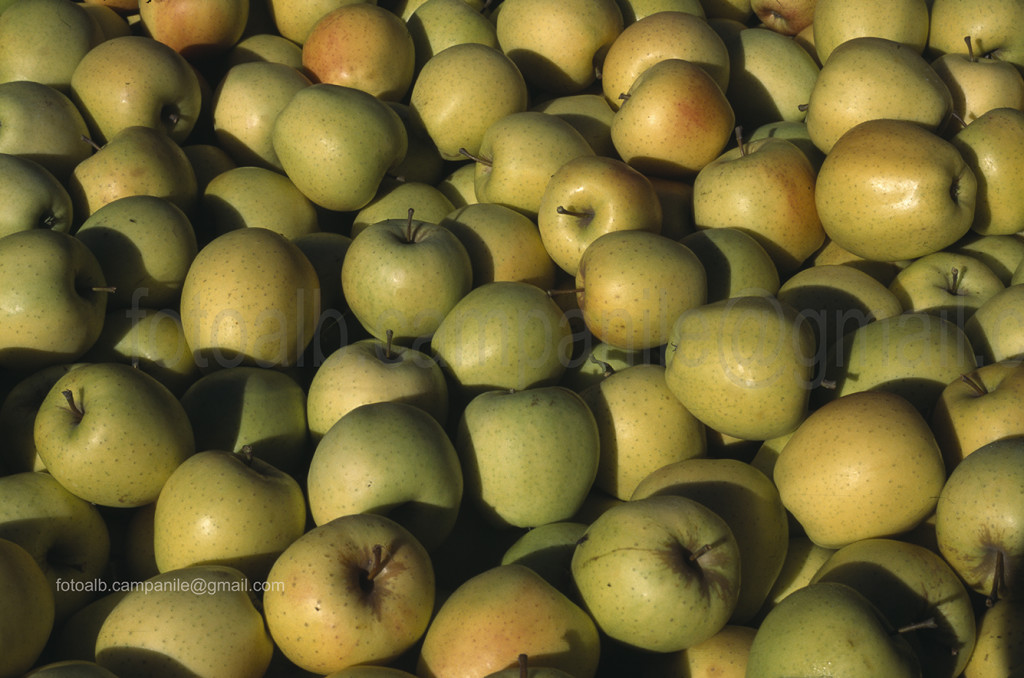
<point x="537" y="338"/>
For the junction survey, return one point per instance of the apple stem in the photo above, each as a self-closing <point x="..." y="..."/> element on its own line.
<point x="973" y="383"/>
<point x="389" y="336"/>
<point x="997" y="581"/>
<point x="624" y="96"/>
<point x="377" y="564"/>
<point x="571" y="213"/>
<point x="803" y="107"/>
<point x="476" y="158"/>
<point x="606" y="369"/>
<point x="107" y="288"/>
<point x="554" y="293"/>
<point x="245" y="454"/>
<point x="954" y="280"/>
<point x="410" y="232"/>
<point x="75" y="409"/>
<point x="92" y="143"/>
<point x="739" y="140"/>
<point x="699" y="552"/>
<point x="828" y="384"/>
<point x="956" y="116"/>
<point x="970" y="48"/>
<point x="524" y="669"/>
<point x="929" y="623"/>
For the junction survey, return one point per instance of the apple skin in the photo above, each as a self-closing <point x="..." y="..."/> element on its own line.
<point x="43" y="124"/>
<point x="196" y="29"/>
<point x="23" y="583"/>
<point x="35" y="198"/>
<point x="660" y="573"/>
<point x="947" y="284"/>
<point x="324" y="610"/>
<point x="995" y="328"/>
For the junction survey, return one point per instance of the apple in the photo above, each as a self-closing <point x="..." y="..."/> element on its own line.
<point x="597" y="360"/>
<point x="43" y="41"/>
<point x="634" y="10"/>
<point x="248" y="197"/>
<point x="590" y="113"/>
<point x="392" y="459"/>
<point x="834" y="625"/>
<point x="363" y="46"/>
<point x="200" y="619"/>
<point x="112" y="434"/>
<point x="227" y="508"/>
<point x="436" y="25"/>
<point x="23" y="583"/>
<point x="902" y="21"/>
<point x="547" y="550"/>
<point x="199" y="30"/>
<point x="892" y="82"/>
<point x="357" y="590"/>
<point x="396" y="197"/>
<point x="631" y="285"/>
<point x="336" y="144"/>
<point x="786" y="18"/>
<point x="736" y="264"/>
<point x="990" y="145"/>
<point x="136" y="81"/>
<point x="998" y="647"/>
<point x="558" y="47"/>
<point x="863" y="465"/>
<point x="976" y="519"/>
<point x="988" y="26"/>
<point x="35" y="198"/>
<point x="526" y="476"/>
<point x="269" y="46"/>
<point x="977" y="408"/>
<point x="17" y="417"/>
<point x="72" y="668"/>
<point x="42" y="124"/>
<point x="743" y="366"/>
<point x="294" y="19"/>
<point x="505" y="611"/>
<point x="803" y="560"/>
<point x="995" y="328"/>
<point x="947" y="284"/>
<point x="502" y="335"/>
<point x="53" y="300"/>
<point x="979" y="85"/>
<point x="250" y="296"/>
<point x="919" y="181"/>
<point x="461" y="91"/>
<point x="660" y="573"/>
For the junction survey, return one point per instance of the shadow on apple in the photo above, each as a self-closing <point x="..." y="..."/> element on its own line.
<point x="129" y="661"/>
<point x="543" y="69"/>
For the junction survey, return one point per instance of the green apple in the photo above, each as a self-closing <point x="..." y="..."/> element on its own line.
<point x="631" y="285"/>
<point x="505" y="611"/>
<point x="112" y="434"/>
<point x="991" y="145"/>
<point x="369" y="371"/>
<point x="642" y="427"/>
<point x="43" y="41"/>
<point x="201" y="620"/>
<point x="269" y="46"/>
<point x="673" y="120"/>
<point x="337" y="143"/>
<point x="207" y="161"/>
<point x="404" y="276"/>
<point x="502" y="335"/>
<point x="247" y="197"/>
<point x="459" y="185"/>
<point x="947" y="284"/>
<point x="245" y="104"/>
<point x="111" y="23"/>
<point x="634" y="10"/>
<point x="326" y="251"/>
<point x="749" y="503"/>
<point x="75" y="639"/>
<point x="137" y="160"/>
<point x="589" y="196"/>
<point x="151" y="340"/>
<point x="518" y="155"/>
<point x="902" y="21"/>
<point x="197" y="29"/>
<point x="42" y="124"/>
<point x="977" y="408"/>
<point x="829" y="625"/>
<point x="743" y="366"/>
<point x="787" y="17"/>
<point x="995" y="329"/>
<point x="527" y="670"/>
<point x="251" y="296"/>
<point x="294" y="19"/>
<point x="357" y="590"/>
<point x="33" y="196"/>
<point x="662" y="35"/>
<point x="590" y="113"/>
<point x="1000" y="643"/>
<point x="837" y="299"/>
<point x="803" y="560"/>
<point x="436" y="25"/>
<point x="252" y="408"/>
<point x="362" y="46"/>
<point x="389" y="458"/>
<point x="723" y="654"/>
<point x="912" y="354"/>
<point x="766" y="188"/>
<point x="597" y="360"/>
<point x="227" y="508"/>
<point x="145" y="245"/>
<point x="547" y="550"/>
<point x="979" y="85"/>
<point x="422" y="162"/>
<point x="912" y="586"/>
<point x="871" y="78"/>
<point x="71" y="668"/>
<point x="919" y="181"/>
<point x="770" y="75"/>
<point x="558" y="47"/>
<point x="17" y="417"/>
<point x="794" y="132"/>
<point x="65" y="534"/>
<point x="136" y="81"/>
<point x="660" y="573"/>
<point x="977" y="519"/>
<point x="988" y="24"/>
<point x="1001" y="253"/>
<point x="461" y="91"/>
<point x="863" y="465"/>
<point x="525" y="476"/>
<point x="23" y="583"/>
<point x="53" y="301"/>
<point x="396" y="198"/>
<point x="502" y="243"/>
<point x="736" y="264"/>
